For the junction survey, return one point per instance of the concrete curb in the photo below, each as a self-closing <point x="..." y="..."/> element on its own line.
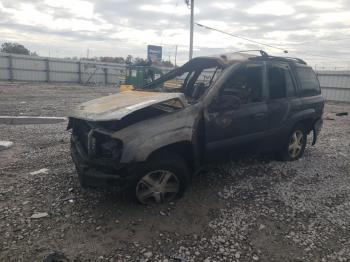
<point x="28" y="120"/>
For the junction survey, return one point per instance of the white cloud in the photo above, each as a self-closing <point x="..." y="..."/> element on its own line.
<point x="223" y="5"/>
<point x="333" y="17"/>
<point x="283" y="36"/>
<point x="121" y="27"/>
<point x="76" y="24"/>
<point x="167" y="9"/>
<point x="276" y="8"/>
<point x="83" y="9"/>
<point x="321" y="4"/>
<point x="27" y="14"/>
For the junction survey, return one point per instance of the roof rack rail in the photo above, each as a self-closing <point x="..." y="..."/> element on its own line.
<point x="262" y="53"/>
<point x="286" y="59"/>
<point x="301" y="61"/>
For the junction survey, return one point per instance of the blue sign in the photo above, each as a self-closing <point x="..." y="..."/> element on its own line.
<point x="154" y="53"/>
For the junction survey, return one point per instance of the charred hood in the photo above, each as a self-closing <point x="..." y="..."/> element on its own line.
<point x="117" y="106"/>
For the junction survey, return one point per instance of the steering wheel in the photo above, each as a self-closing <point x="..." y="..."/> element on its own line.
<point x="198" y="90"/>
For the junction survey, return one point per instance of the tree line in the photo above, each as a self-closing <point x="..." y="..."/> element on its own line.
<point x="15" y="48"/>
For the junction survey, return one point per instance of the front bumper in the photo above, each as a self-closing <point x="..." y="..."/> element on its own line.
<point x="100" y="172"/>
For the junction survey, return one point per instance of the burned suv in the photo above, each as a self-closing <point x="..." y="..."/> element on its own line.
<point x="149" y="141"/>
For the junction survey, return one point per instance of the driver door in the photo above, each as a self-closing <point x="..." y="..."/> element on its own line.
<point x="239" y="113"/>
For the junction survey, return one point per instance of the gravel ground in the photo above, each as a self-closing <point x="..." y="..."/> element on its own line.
<point x="248" y="209"/>
<point x="45" y="100"/>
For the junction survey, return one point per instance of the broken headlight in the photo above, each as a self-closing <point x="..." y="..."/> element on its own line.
<point x="107" y="147"/>
<point x="111" y="149"/>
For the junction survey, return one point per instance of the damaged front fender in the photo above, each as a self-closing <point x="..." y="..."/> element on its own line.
<point x="145" y="137"/>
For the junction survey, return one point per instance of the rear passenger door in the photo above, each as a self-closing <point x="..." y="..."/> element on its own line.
<point x="282" y="101"/>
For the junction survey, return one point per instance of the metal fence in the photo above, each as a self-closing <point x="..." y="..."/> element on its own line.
<point x="44" y="69"/>
<point x="335" y="84"/>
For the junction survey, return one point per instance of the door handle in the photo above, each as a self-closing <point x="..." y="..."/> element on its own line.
<point x="259" y="116"/>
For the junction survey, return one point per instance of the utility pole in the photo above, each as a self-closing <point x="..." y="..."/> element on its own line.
<point x="191" y="30"/>
<point x="175" y="54"/>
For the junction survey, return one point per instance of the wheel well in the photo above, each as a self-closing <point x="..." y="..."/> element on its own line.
<point x="308" y="123"/>
<point x="183" y="149"/>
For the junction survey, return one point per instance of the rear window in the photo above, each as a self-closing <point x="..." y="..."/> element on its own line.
<point x="308" y="81"/>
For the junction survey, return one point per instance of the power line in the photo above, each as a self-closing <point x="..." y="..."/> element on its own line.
<point x="241" y="37"/>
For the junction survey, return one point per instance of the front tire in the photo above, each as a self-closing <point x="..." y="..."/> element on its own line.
<point x="295" y="146"/>
<point x="161" y="179"/>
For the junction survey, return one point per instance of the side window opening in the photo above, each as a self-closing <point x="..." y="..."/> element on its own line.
<point x="245" y="84"/>
<point x="290" y="84"/>
<point x="277" y="82"/>
<point x="281" y="84"/>
<point x="308" y="81"/>
<point x="202" y="81"/>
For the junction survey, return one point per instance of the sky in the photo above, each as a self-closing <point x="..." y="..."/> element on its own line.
<point x="317" y="31"/>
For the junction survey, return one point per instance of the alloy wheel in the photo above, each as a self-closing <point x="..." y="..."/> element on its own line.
<point x="157" y="187"/>
<point x="296" y="143"/>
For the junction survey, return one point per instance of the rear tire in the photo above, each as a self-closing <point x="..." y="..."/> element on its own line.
<point x="164" y="177"/>
<point x="295" y="145"/>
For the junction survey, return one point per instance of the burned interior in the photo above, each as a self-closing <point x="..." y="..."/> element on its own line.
<point x="192" y="79"/>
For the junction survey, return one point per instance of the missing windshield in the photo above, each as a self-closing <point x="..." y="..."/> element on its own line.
<point x="193" y="79"/>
